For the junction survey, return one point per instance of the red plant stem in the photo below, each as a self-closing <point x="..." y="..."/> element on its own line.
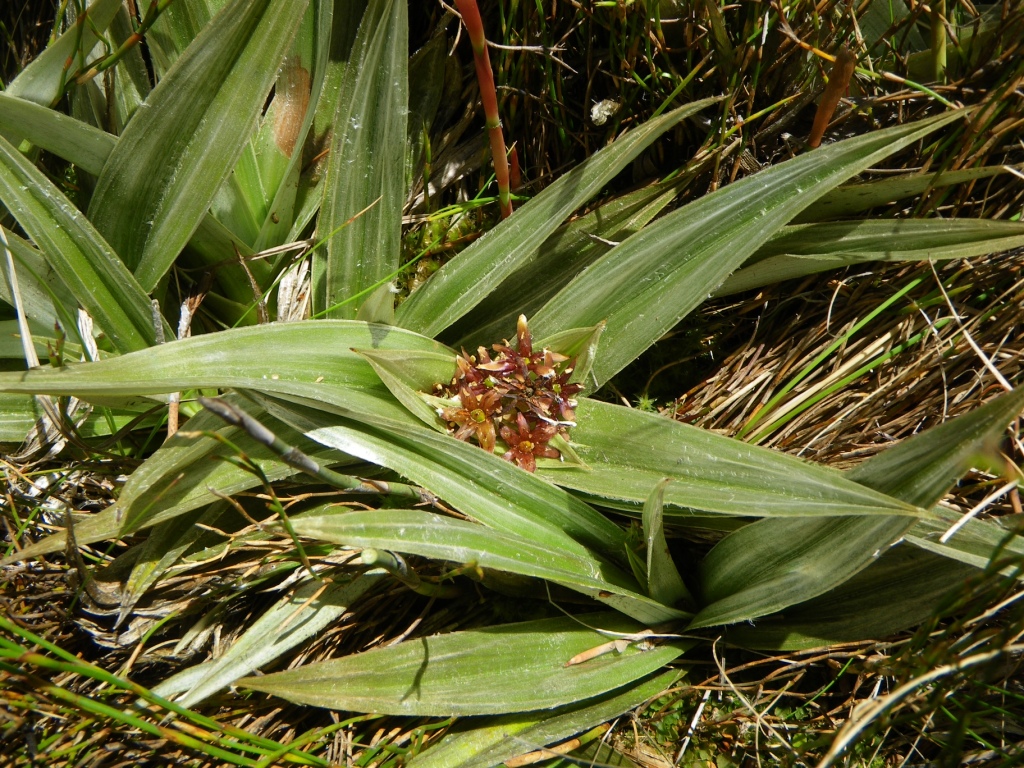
<point x="489" y="98"/>
<point x="838" y="82"/>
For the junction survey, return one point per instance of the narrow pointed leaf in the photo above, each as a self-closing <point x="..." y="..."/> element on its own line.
<point x="978" y="542"/>
<point x="311" y="359"/>
<point x="629" y="452"/>
<point x="87" y="266"/>
<point x="162" y="176"/>
<point x="773" y="564"/>
<point x="463" y="282"/>
<point x="43" y="80"/>
<point x="443" y="538"/>
<point x="289" y="623"/>
<point x="811" y="248"/>
<point x="458" y="673"/>
<point x="903" y="588"/>
<point x="406" y="374"/>
<point x="558" y="260"/>
<point x="856" y="198"/>
<point x="366" y="165"/>
<point x="644" y="286"/>
<point x="80" y="143"/>
<point x="664" y="583"/>
<point x="486" y="744"/>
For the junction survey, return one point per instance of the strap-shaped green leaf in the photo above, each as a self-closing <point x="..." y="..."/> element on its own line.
<point x="628" y="452"/>
<point x="160" y="179"/>
<point x="361" y="213"/>
<point x="643" y="287"/>
<point x="44" y="79"/>
<point x="80" y="143"/>
<point x="464" y="281"/>
<point x="475" y="744"/>
<point x="459" y="673"/>
<point x="78" y="254"/>
<point x="773" y="564"/>
<point x="664" y="583"/>
<point x="807" y="249"/>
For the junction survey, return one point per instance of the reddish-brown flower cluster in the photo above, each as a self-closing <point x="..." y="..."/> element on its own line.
<point x="520" y="395"/>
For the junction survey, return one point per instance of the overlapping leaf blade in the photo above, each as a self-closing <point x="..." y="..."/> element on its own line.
<point x="87" y="266"/>
<point x="361" y="213"/>
<point x="160" y="179"/>
<point x="461" y="284"/>
<point x="458" y="674"/>
<point x="644" y="286"/>
<point x="771" y="565"/>
<point x="806" y="249"/>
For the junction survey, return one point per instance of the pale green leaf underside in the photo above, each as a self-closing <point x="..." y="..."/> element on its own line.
<point x="510" y="668"/>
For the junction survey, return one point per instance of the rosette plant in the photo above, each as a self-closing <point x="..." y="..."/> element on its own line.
<point x="255" y="129"/>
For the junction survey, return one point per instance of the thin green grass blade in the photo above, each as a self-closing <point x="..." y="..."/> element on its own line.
<point x="664" y="583"/>
<point x="458" y="673"/>
<point x="465" y="280"/>
<point x="629" y="452"/>
<point x="492" y="742"/>
<point x="361" y="213"/>
<point x="289" y="623"/>
<point x="644" y="286"/>
<point x="160" y="179"/>
<point x="43" y="80"/>
<point x="810" y="248"/>
<point x="78" y="254"/>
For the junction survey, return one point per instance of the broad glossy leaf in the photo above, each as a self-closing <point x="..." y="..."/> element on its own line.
<point x="87" y="266"/>
<point x="476" y="744"/>
<point x="464" y="281"/>
<point x="43" y="80"/>
<point x="160" y="179"/>
<point x="771" y="565"/>
<point x="80" y="143"/>
<point x="856" y="198"/>
<point x="806" y="249"/>
<point x="664" y="583"/>
<point x="292" y="621"/>
<point x="459" y="673"/>
<point x="629" y="452"/>
<point x="431" y="535"/>
<point x="366" y="167"/>
<point x="644" y="286"/>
